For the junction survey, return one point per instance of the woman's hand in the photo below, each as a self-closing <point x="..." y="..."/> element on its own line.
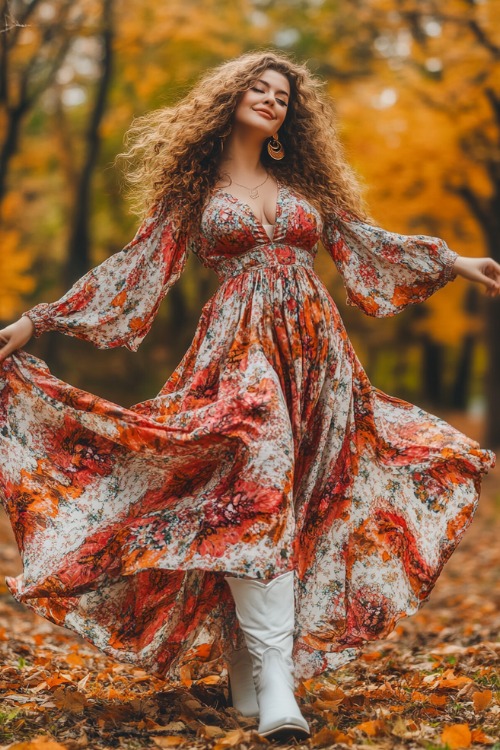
<point x="484" y="270"/>
<point x="16" y="335"/>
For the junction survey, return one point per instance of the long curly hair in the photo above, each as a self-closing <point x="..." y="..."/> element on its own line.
<point x="172" y="154"/>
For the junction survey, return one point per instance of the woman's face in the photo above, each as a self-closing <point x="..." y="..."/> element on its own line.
<point x="263" y="106"/>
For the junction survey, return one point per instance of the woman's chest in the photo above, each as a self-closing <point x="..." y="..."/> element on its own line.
<point x="229" y="226"/>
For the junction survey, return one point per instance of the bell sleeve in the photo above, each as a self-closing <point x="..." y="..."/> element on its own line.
<point x="115" y="303"/>
<point x="383" y="271"/>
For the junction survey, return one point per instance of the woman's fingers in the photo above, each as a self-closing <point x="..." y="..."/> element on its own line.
<point x="483" y="270"/>
<point x="491" y="277"/>
<point x="14" y="337"/>
<point x="6" y="350"/>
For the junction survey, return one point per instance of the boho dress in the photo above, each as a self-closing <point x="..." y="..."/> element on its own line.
<point x="266" y="450"/>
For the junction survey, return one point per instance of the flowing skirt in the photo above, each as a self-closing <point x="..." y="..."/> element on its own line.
<point x="266" y="450"/>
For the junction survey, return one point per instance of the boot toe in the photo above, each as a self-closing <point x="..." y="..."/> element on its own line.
<point x="290" y="727"/>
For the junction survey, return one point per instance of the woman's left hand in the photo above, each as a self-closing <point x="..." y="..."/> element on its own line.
<point x="484" y="270"/>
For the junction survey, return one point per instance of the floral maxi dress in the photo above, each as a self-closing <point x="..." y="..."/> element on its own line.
<point x="266" y="450"/>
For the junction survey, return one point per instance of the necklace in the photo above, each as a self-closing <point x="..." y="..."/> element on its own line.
<point x="254" y="192"/>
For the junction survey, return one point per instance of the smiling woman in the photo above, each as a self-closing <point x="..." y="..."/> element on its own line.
<point x="259" y="114"/>
<point x="269" y="507"/>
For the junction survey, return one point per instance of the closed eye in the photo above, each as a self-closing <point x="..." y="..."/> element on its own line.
<point x="261" y="91"/>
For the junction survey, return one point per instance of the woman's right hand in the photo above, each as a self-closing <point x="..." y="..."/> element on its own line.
<point x="15" y="335"/>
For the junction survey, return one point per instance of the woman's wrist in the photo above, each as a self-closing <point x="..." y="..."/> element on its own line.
<point x="458" y="265"/>
<point x="38" y="318"/>
<point x="29" y="323"/>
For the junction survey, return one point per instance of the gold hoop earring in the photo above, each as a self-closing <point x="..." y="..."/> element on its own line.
<point x="275" y="148"/>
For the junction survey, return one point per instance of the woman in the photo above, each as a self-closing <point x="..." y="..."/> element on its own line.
<point x="269" y="504"/>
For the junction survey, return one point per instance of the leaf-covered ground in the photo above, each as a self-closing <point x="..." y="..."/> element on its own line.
<point x="434" y="683"/>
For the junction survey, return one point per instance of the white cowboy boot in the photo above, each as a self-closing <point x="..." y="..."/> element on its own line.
<point x="240" y="682"/>
<point x="266" y="615"/>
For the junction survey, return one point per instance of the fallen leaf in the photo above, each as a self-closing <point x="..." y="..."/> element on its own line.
<point x="331" y="694"/>
<point x="438" y="700"/>
<point x="211" y="679"/>
<point x="404" y="728"/>
<point x="209" y="732"/>
<point x="450" y="680"/>
<point x="74" y="660"/>
<point x="58" y="679"/>
<point x="326" y="737"/>
<point x="170" y="741"/>
<point x="83" y="682"/>
<point x="456" y="736"/>
<point x="326" y="705"/>
<point x="372" y="727"/>
<point x="481" y="699"/>
<point x="237" y="737"/>
<point x="477" y="735"/>
<point x="70" y="700"/>
<point x="417" y="696"/>
<point x="371" y="656"/>
<point x="41" y="742"/>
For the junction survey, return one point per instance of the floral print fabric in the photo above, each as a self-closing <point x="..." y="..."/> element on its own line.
<point x="266" y="450"/>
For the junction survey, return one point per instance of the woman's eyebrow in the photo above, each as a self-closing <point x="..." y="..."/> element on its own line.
<point x="261" y="80"/>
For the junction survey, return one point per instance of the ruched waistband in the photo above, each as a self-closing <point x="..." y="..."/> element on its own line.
<point x="263" y="256"/>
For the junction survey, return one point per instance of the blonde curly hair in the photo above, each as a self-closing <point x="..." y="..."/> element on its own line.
<point x="172" y="154"/>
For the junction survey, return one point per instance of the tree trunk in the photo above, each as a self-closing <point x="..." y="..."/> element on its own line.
<point x="461" y="385"/>
<point x="492" y="384"/>
<point x="79" y="238"/>
<point x="432" y="372"/>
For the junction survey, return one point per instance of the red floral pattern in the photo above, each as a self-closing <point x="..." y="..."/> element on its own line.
<point x="266" y="450"/>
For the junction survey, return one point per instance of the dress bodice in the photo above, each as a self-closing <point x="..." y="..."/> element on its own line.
<point x="231" y="230"/>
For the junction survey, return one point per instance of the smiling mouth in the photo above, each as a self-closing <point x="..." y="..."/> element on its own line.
<point x="264" y="114"/>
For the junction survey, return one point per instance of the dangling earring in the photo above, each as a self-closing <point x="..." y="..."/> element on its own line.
<point x="275" y="148"/>
<point x="223" y="137"/>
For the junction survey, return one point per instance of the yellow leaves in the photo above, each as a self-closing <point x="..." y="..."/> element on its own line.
<point x="446" y="321"/>
<point x="169" y="741"/>
<point x="456" y="736"/>
<point x="16" y="280"/>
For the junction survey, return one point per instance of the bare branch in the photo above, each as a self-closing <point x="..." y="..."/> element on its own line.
<point x="483" y="39"/>
<point x="478" y="206"/>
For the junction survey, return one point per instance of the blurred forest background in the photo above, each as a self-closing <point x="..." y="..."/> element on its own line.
<point x="417" y="90"/>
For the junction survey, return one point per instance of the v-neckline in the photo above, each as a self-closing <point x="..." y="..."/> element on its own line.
<point x="258" y="222"/>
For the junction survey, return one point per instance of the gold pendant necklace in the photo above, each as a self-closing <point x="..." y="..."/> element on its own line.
<point x="254" y="192"/>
